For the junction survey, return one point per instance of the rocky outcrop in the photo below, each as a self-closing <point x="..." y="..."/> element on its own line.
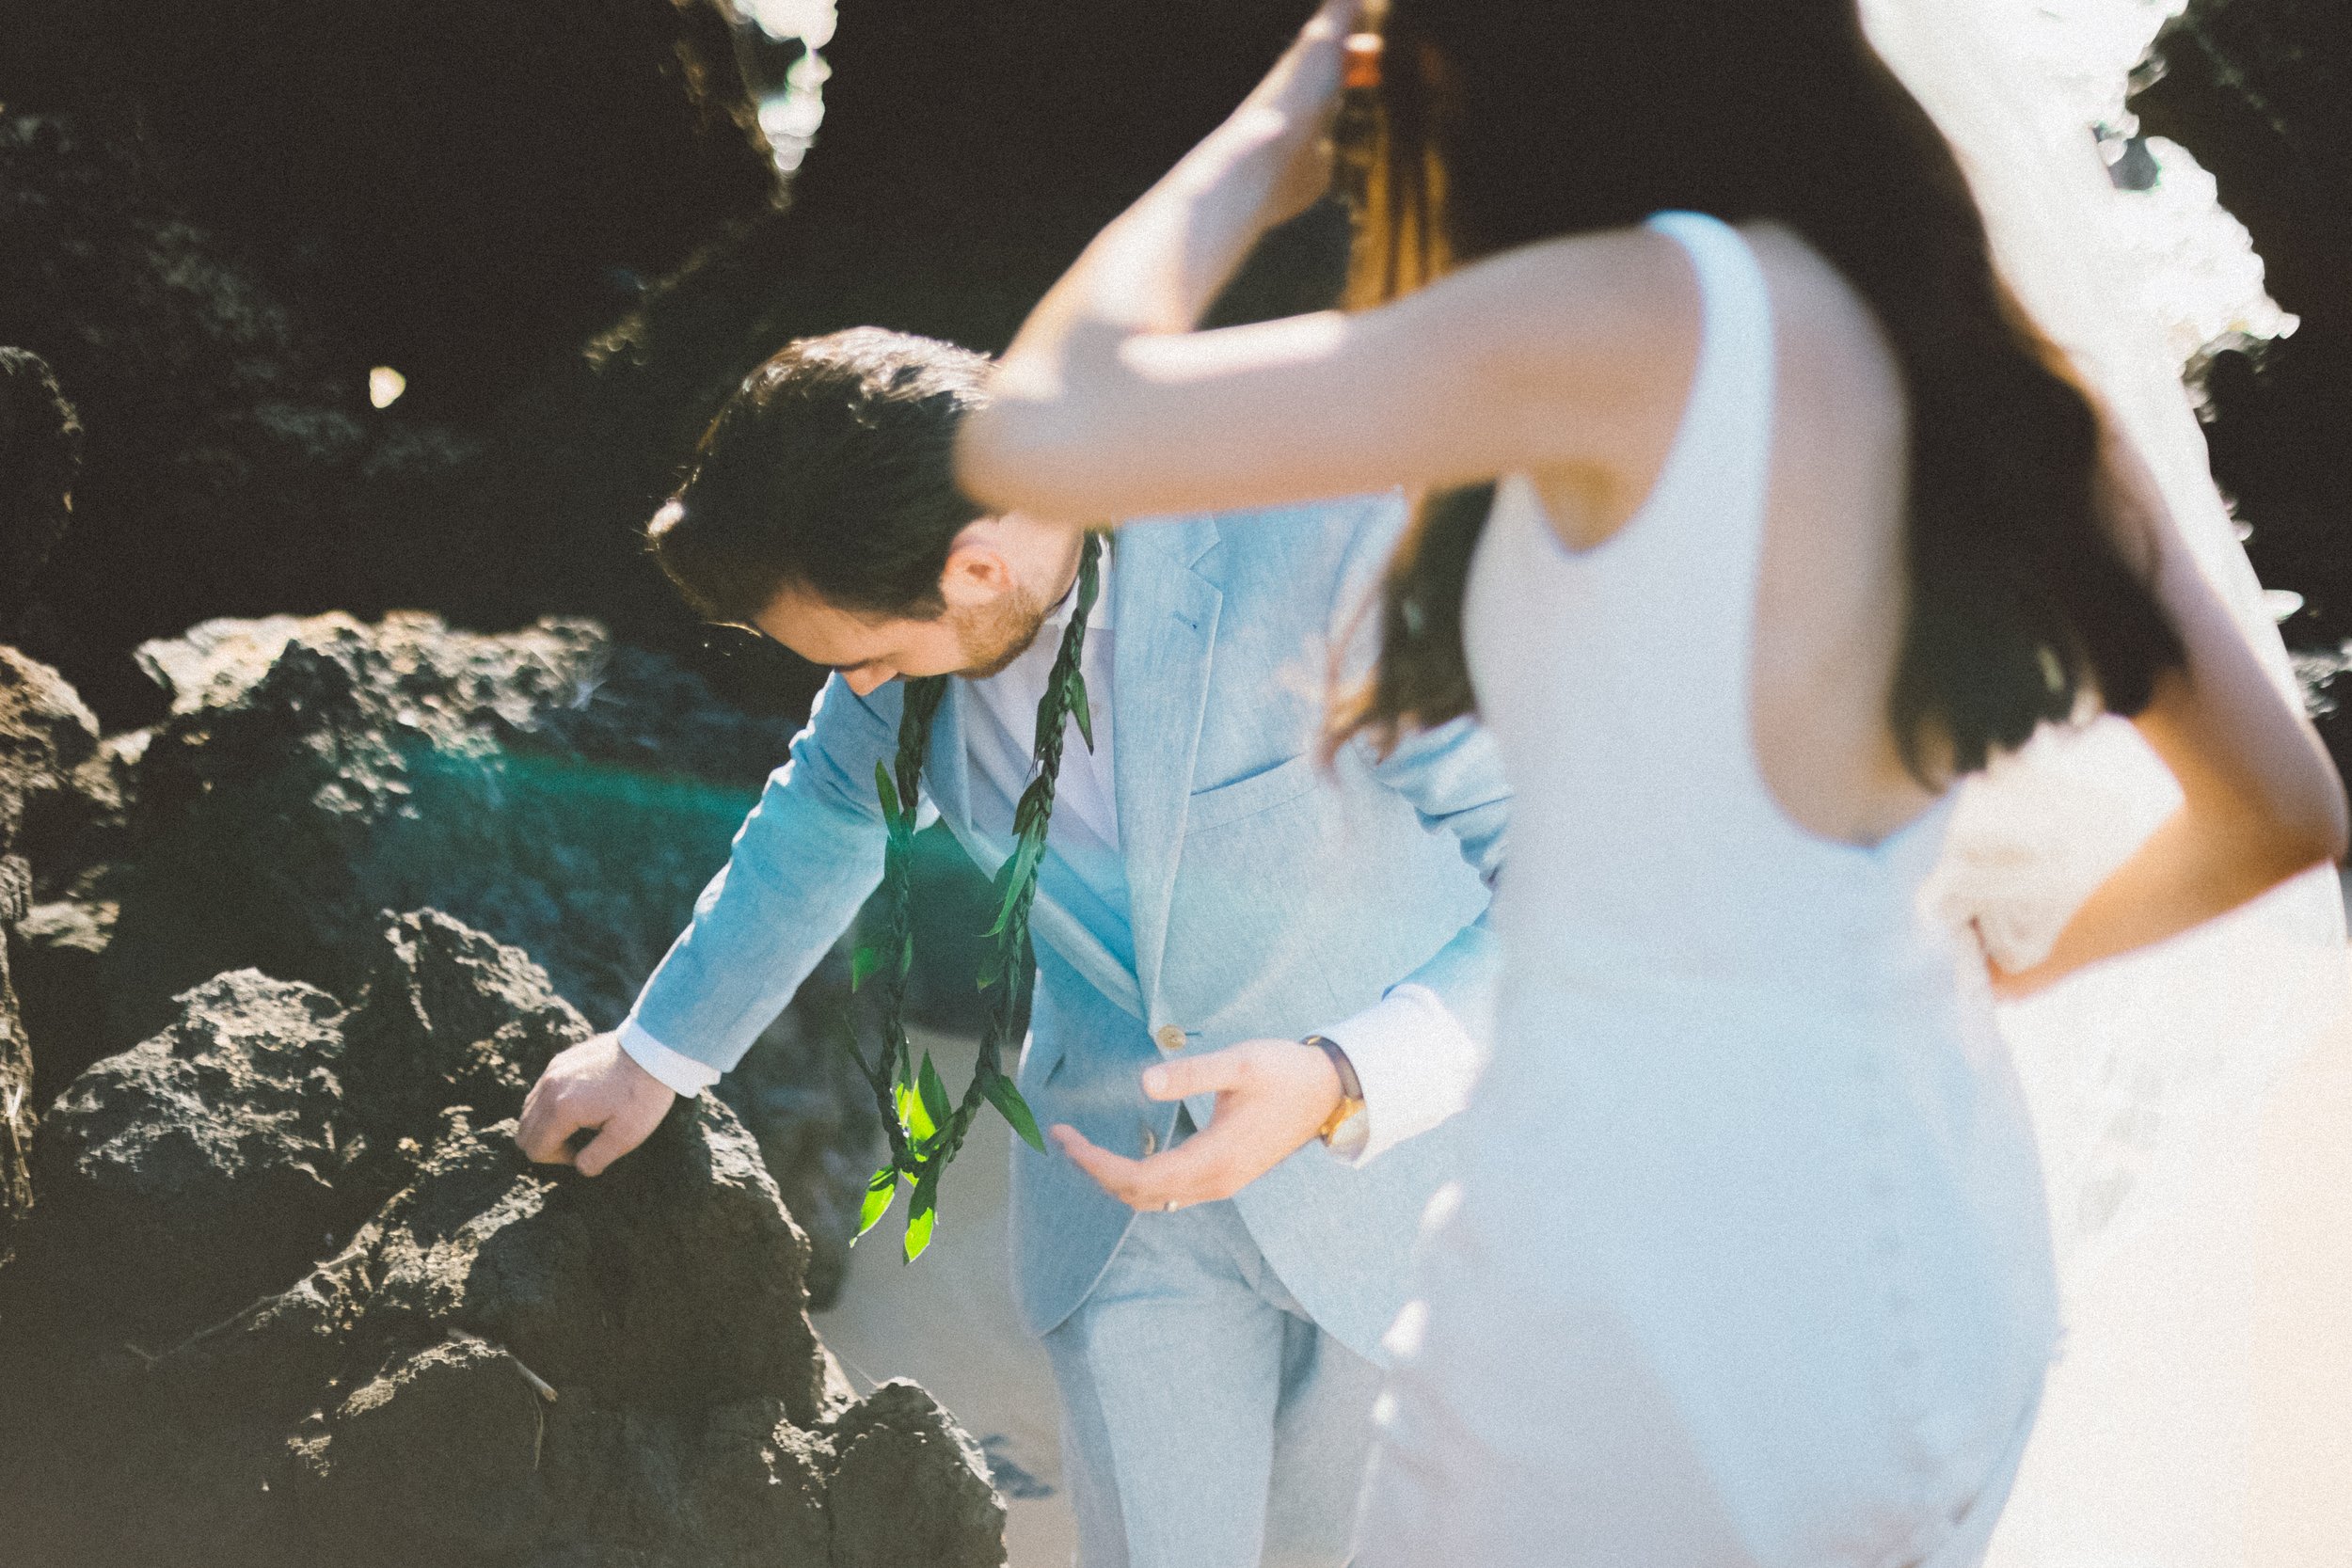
<point x="442" y="1355"/>
<point x="18" y="1106"/>
<point x="2261" y="94"/>
<point x="40" y="453"/>
<point x="54" y="953"/>
<point x="231" y="460"/>
<point x="589" y="260"/>
<point x="182" y="1175"/>
<point x="543" y="159"/>
<point x="192" y="231"/>
<point x="57" y="796"/>
<point x="62" y="790"/>
<point x="563" y="793"/>
<point x="63" y="796"/>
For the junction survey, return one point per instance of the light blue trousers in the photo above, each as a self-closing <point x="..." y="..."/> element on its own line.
<point x="1206" y="1421"/>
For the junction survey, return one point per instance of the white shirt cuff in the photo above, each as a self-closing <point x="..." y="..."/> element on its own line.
<point x="1417" y="1063"/>
<point x="680" y="1074"/>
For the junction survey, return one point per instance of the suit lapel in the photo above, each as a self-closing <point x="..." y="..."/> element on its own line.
<point x="946" y="774"/>
<point x="1166" y="626"/>
<point x="946" y="771"/>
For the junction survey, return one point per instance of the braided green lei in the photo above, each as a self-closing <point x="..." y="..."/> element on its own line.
<point x="925" y="1131"/>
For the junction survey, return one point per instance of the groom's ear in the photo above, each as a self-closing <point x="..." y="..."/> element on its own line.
<point x="977" y="571"/>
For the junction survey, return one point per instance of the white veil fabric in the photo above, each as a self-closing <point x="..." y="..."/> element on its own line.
<point x="2146" y="1076"/>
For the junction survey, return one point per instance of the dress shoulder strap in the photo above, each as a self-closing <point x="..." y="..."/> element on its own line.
<point x="1727" y="423"/>
<point x="1696" y="540"/>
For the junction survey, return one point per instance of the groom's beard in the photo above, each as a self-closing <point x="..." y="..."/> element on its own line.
<point x="994" y="635"/>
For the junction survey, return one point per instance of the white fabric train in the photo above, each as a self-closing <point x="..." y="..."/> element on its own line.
<point x="2146" y="1077"/>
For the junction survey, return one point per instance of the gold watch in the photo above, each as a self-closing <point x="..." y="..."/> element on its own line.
<point x="1351" y="1088"/>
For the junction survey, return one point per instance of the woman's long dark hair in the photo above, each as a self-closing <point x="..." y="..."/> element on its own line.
<point x="1502" y="125"/>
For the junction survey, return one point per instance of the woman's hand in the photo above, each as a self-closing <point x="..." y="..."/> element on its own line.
<point x="1288" y="115"/>
<point x="1272" y="1096"/>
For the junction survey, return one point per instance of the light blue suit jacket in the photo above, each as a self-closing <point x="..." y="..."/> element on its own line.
<point x="1268" y="898"/>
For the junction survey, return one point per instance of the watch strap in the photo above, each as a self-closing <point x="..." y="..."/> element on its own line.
<point x="1351" y="1087"/>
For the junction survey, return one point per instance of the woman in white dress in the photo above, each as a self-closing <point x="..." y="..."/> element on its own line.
<point x="1783" y="519"/>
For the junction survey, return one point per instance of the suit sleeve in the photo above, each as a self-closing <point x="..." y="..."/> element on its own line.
<point x="805" y="859"/>
<point x="1421" y="1049"/>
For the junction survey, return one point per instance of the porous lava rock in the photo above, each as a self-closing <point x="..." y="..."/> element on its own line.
<point x="196" y="201"/>
<point x="566" y="794"/>
<point x="18" y="1111"/>
<point x="561" y="792"/>
<point x="2261" y="94"/>
<point x="41" y="452"/>
<point x="470" y="1360"/>
<point x="181" y="1177"/>
<point x="54" y="953"/>
<point x="62" y="790"/>
<point x="56" y="796"/>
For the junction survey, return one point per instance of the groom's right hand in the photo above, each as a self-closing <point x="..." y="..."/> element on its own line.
<point x="596" y="1087"/>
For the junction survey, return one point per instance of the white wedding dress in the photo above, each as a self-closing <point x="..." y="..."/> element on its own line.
<point x="2145" y="1077"/>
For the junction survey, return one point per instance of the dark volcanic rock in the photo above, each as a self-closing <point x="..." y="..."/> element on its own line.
<point x="562" y="793"/>
<point x="448" y="1017"/>
<point x="46" y="734"/>
<point x="179" y="1179"/>
<point x="911" y="1487"/>
<point x="53" y="954"/>
<point x="233" y="465"/>
<point x="541" y="158"/>
<point x="50" y="765"/>
<point x="41" y="452"/>
<point x="2261" y="94"/>
<point x="62" y="790"/>
<point x="18" y="1101"/>
<point x="490" y="1363"/>
<point x="194" y="230"/>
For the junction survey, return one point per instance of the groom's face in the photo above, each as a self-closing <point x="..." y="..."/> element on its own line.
<point x="988" y="620"/>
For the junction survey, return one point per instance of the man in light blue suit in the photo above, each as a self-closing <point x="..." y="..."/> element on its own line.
<point x="1236" y="948"/>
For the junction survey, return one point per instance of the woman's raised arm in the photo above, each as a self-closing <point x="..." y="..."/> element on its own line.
<point x="2259" y="799"/>
<point x="1108" y="404"/>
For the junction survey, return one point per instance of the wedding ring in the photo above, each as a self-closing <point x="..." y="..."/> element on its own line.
<point x="1172" y="1207"/>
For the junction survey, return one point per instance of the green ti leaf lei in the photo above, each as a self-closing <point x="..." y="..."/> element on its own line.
<point x="926" y="1129"/>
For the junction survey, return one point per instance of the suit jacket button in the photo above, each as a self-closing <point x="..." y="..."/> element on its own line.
<point x="1170" y="1037"/>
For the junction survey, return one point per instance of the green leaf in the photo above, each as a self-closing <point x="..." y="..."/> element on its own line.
<point x="862" y="965"/>
<point x="934" y="1093"/>
<point x="1080" y="709"/>
<point x="879" y="1193"/>
<point x="1015" y="1109"/>
<point x="922" y="1213"/>
<point x="888" y="791"/>
<point x="1016" y="879"/>
<point x="919" y="1234"/>
<point x="913" y="1115"/>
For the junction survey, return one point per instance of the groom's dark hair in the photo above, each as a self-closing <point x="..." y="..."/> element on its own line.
<point x="830" y="470"/>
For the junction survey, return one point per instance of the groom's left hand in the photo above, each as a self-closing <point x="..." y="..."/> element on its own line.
<point x="1272" y="1096"/>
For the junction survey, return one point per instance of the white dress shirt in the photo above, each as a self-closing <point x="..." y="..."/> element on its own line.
<point x="1415" y="1059"/>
